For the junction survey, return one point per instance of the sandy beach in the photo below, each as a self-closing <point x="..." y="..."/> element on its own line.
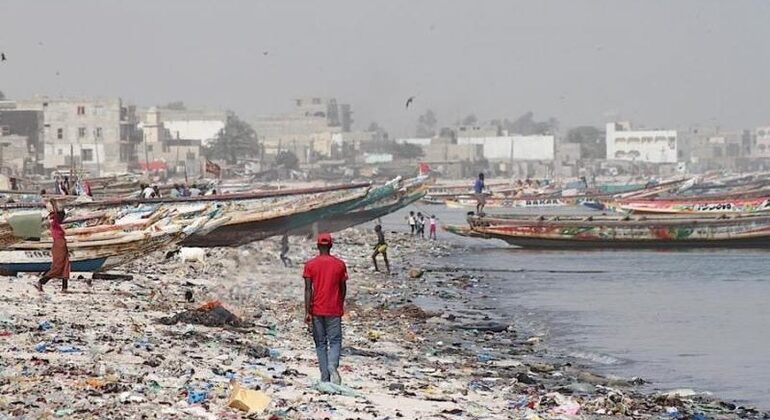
<point x="415" y="346"/>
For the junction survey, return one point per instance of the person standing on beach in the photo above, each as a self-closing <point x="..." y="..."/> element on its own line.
<point x="420" y="225"/>
<point x="325" y="289"/>
<point x="432" y="234"/>
<point x="478" y="189"/>
<point x="412" y="222"/>
<point x="60" y="259"/>
<point x="285" y="250"/>
<point x="380" y="249"/>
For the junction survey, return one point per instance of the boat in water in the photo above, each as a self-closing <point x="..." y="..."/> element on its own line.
<point x="593" y="232"/>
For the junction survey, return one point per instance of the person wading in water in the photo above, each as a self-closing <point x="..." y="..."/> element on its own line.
<point x="60" y="259"/>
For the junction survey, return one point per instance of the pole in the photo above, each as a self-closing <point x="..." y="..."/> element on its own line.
<point x="146" y="161"/>
<point x="96" y="147"/>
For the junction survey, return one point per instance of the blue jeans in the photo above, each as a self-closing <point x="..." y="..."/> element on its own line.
<point x="327" y="335"/>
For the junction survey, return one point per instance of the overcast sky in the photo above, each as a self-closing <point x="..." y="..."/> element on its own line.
<point x="657" y="63"/>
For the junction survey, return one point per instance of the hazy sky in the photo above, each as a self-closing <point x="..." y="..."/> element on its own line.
<point x="658" y="63"/>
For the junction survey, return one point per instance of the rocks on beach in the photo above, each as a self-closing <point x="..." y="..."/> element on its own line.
<point x="226" y="339"/>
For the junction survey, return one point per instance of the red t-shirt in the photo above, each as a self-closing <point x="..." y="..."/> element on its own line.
<point x="327" y="273"/>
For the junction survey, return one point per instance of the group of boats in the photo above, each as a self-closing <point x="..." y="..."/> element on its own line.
<point x="108" y="232"/>
<point x="683" y="213"/>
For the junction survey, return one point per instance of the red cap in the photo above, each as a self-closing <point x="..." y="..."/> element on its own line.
<point x="324" y="239"/>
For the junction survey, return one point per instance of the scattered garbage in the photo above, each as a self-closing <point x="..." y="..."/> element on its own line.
<point x="210" y="314"/>
<point x="248" y="400"/>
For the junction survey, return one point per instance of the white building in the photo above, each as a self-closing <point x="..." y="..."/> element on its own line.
<point x="762" y="136"/>
<point x="654" y="146"/>
<point x="507" y="148"/>
<point x="200" y="125"/>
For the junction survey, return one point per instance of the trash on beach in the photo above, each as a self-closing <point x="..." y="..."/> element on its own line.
<point x="334" y="389"/>
<point x="248" y="400"/>
<point x="210" y="314"/>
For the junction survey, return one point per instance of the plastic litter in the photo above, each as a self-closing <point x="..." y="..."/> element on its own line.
<point x="248" y="400"/>
<point x="334" y="389"/>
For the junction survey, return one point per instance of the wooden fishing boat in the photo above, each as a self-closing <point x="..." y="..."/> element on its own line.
<point x="613" y="232"/>
<point x="695" y="205"/>
<point x="336" y="223"/>
<point x="507" y="202"/>
<point x="245" y="226"/>
<point x="100" y="254"/>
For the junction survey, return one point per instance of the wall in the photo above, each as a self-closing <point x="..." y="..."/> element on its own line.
<point x="655" y="146"/>
<point x="524" y="147"/>
<point x="762" y="146"/>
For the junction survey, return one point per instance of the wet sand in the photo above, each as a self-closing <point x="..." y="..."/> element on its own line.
<point x="102" y="352"/>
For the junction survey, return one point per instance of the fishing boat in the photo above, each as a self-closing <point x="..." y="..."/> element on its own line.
<point x="740" y="231"/>
<point x="92" y="255"/>
<point x="695" y="205"/>
<point x="410" y="192"/>
<point x="507" y="202"/>
<point x="240" y="227"/>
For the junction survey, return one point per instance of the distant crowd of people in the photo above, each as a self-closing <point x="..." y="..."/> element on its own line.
<point x="177" y="190"/>
<point x="65" y="186"/>
<point x="417" y="225"/>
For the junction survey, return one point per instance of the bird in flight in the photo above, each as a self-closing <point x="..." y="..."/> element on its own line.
<point x="265" y="52"/>
<point x="409" y="101"/>
<point x="2" y="57"/>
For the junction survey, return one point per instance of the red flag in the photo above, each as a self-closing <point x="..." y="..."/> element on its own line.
<point x="213" y="168"/>
<point x="424" y="168"/>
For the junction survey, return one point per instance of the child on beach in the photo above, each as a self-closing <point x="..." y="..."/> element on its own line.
<point x="420" y="225"/>
<point x="432" y="234"/>
<point x="380" y="249"/>
<point x="412" y="222"/>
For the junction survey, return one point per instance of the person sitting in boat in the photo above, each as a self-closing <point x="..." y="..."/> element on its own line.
<point x="60" y="260"/>
<point x="380" y="249"/>
<point x="175" y="193"/>
<point x="147" y="191"/>
<point x="478" y="189"/>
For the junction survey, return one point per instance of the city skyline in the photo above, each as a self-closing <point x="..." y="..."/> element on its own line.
<point x="655" y="63"/>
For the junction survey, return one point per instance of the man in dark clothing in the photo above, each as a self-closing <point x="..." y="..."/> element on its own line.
<point x="380" y="248"/>
<point x="325" y="289"/>
<point x="478" y="189"/>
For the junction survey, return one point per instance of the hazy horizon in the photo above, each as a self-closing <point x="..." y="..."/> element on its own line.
<point x="656" y="63"/>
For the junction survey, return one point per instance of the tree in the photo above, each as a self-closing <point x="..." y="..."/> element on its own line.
<point x="526" y="125"/>
<point x="236" y="140"/>
<point x="287" y="159"/>
<point x="2" y="96"/>
<point x="176" y="105"/>
<point x="406" y="151"/>
<point x="426" y="124"/>
<point x="470" y="120"/>
<point x="591" y="140"/>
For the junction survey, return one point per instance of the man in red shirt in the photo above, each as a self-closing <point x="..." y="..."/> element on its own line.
<point x="325" y="289"/>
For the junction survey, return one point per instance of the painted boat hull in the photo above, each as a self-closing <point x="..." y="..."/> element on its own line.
<point x="678" y="232"/>
<point x="697" y="206"/>
<point x="237" y="234"/>
<point x="39" y="261"/>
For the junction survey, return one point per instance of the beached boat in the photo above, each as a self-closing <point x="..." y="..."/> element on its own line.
<point x="93" y="255"/>
<point x="626" y="232"/>
<point x="240" y="227"/>
<point x="507" y="202"/>
<point x="410" y="193"/>
<point x="694" y="205"/>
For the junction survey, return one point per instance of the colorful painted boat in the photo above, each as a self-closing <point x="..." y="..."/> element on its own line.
<point x="507" y="202"/>
<point x="640" y="232"/>
<point x="695" y="205"/>
<point x="240" y="227"/>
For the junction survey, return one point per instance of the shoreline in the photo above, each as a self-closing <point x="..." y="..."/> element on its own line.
<point x="449" y="358"/>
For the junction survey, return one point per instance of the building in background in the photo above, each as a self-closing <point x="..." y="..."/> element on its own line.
<point x="163" y="150"/>
<point x="98" y="136"/>
<point x="26" y="124"/>
<point x="653" y="146"/>
<point x="761" y="147"/>
<point x="310" y="130"/>
<point x="192" y="124"/>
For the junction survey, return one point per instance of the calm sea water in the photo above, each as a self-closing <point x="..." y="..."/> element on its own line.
<point x="681" y="319"/>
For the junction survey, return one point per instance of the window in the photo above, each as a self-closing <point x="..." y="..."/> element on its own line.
<point x="59" y="133"/>
<point x="87" y="155"/>
<point x="5" y="130"/>
<point x="81" y="132"/>
<point x="81" y="110"/>
<point x="149" y="148"/>
<point x="190" y="155"/>
<point x="59" y="152"/>
<point x="98" y="132"/>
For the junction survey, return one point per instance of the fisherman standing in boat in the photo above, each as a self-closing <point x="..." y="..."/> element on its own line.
<point x="380" y="249"/>
<point x="478" y="189"/>
<point x="325" y="289"/>
<point x="60" y="260"/>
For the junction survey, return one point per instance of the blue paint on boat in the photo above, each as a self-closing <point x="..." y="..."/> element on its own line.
<point x="92" y="264"/>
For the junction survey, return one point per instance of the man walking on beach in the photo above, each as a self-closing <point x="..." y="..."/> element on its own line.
<point x="380" y="249"/>
<point x="325" y="289"/>
<point x="478" y="189"/>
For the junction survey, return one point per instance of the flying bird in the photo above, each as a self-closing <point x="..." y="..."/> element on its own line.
<point x="2" y="57"/>
<point x="409" y="101"/>
<point x="265" y="52"/>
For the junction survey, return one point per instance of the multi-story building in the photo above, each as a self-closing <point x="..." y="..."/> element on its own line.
<point x="164" y="150"/>
<point x="193" y="124"/>
<point x="513" y="148"/>
<point x="310" y="130"/>
<point x="98" y="136"/>
<point x="654" y="146"/>
<point x="762" y="142"/>
<point x="26" y="124"/>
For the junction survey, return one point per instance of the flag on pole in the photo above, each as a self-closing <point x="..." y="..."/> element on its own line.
<point x="213" y="168"/>
<point x="424" y="168"/>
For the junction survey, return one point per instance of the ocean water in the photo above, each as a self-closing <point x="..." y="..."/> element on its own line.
<point x="680" y="319"/>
